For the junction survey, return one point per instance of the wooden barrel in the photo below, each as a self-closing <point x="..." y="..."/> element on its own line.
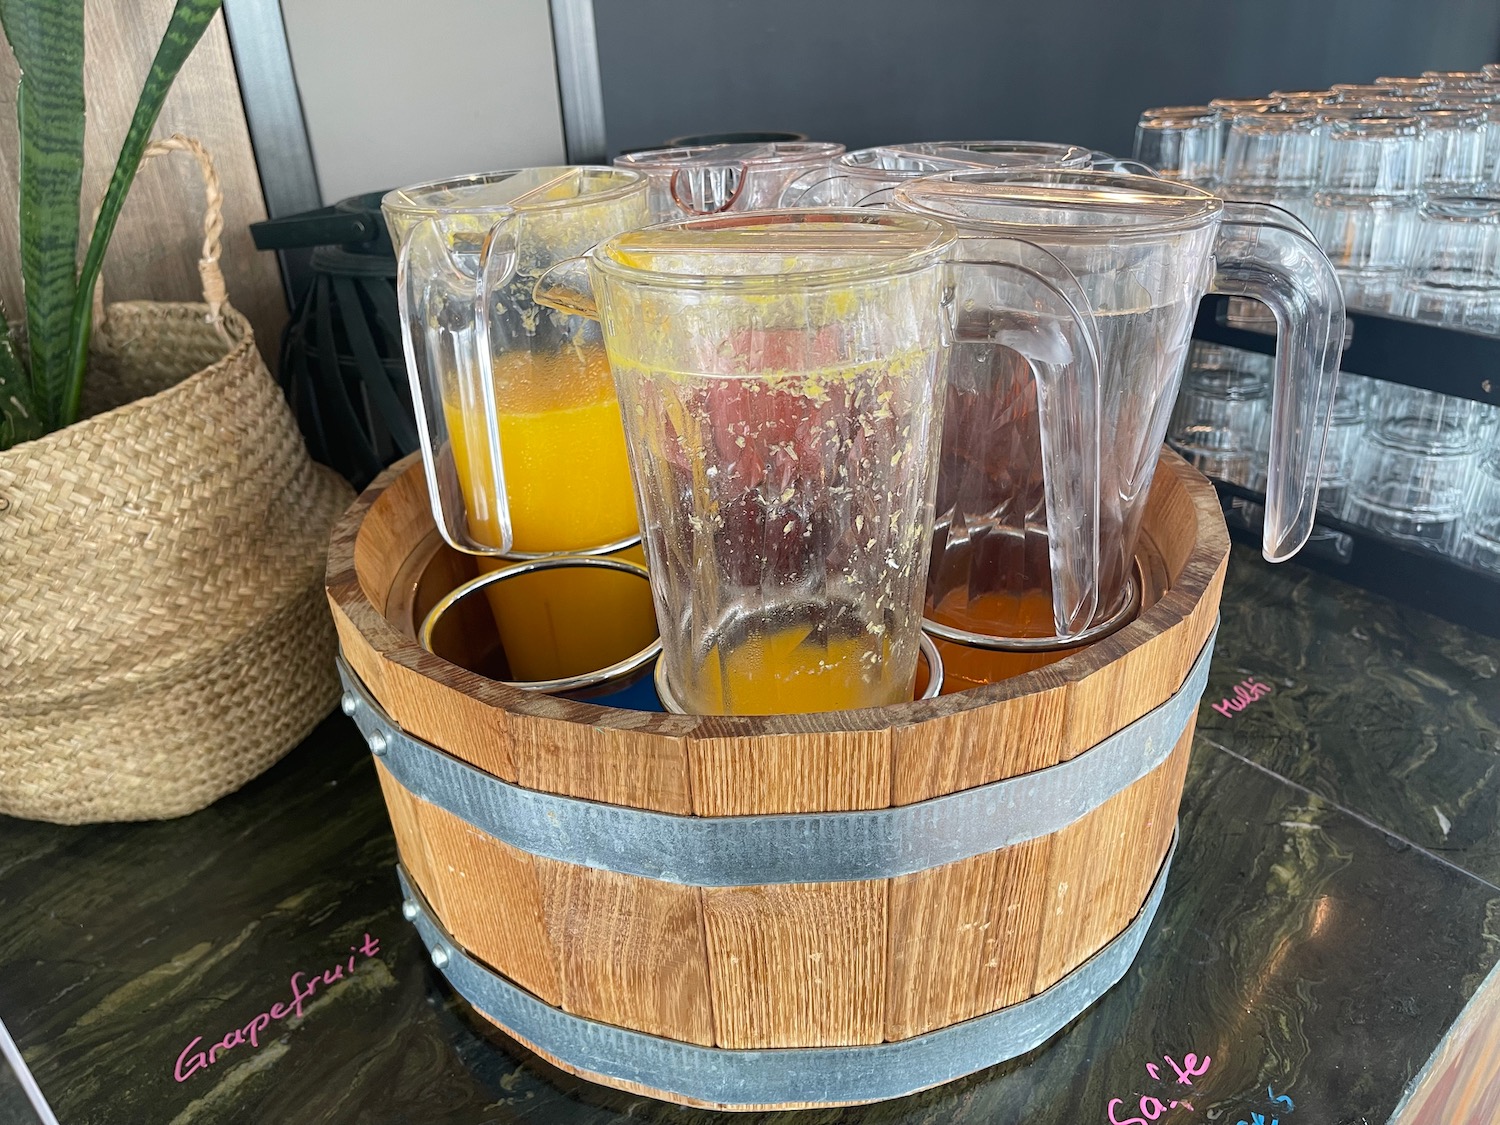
<point x="768" y="912"/>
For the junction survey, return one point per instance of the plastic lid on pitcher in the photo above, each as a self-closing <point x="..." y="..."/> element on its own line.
<point x="792" y="248"/>
<point x="493" y="194"/>
<point x="1007" y="154"/>
<point x="1063" y="203"/>
<point x="868" y="176"/>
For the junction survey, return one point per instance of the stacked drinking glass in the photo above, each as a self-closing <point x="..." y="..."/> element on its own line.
<point x="1367" y="166"/>
<point x="1399" y="179"/>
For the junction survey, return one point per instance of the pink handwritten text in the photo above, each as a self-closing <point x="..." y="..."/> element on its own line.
<point x="1151" y="1107"/>
<point x="1247" y="691"/>
<point x="304" y="987"/>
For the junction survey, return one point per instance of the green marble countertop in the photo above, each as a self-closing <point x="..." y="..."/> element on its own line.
<point x="1332" y="907"/>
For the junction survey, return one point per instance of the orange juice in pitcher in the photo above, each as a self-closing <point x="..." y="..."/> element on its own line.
<point x="778" y="382"/>
<point x="492" y="372"/>
<point x="567" y="483"/>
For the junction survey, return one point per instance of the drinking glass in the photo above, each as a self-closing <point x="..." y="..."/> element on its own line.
<point x="1219" y="423"/>
<point x="1368" y="238"/>
<point x="711" y="179"/>
<point x="1302" y="99"/>
<point x="1457" y="143"/>
<point x="1181" y="143"/>
<point x="1427" y="422"/>
<point x="1417" y="86"/>
<point x="1409" y="495"/>
<point x="1346" y="430"/>
<point x="1479" y="540"/>
<point x="1373" y="155"/>
<point x="779" y="378"/>
<point x="1371" y="174"/>
<point x="1229" y="108"/>
<point x="1271" y="156"/>
<point x="1455" y="273"/>
<point x="1460" y="79"/>
<point x="1348" y="92"/>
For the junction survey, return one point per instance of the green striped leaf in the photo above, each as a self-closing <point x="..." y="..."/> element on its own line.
<point x="47" y="38"/>
<point x="19" y="420"/>
<point x="189" y="20"/>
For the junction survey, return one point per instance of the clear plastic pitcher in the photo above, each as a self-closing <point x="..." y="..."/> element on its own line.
<point x="712" y="179"/>
<point x="1139" y="254"/>
<point x="520" y="430"/>
<point x="779" y="375"/>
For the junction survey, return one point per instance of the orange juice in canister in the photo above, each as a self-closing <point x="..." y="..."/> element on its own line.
<point x="778" y="382"/>
<point x="1019" y="613"/>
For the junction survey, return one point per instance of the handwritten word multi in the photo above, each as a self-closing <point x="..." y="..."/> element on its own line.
<point x="1274" y="1099"/>
<point x="1247" y="691"/>
<point x="303" y="985"/>
<point x="1150" y="1107"/>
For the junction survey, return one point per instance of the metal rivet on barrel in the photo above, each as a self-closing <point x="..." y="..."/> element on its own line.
<point x="409" y="910"/>
<point x="439" y="956"/>
<point x="378" y="742"/>
<point x="350" y="703"/>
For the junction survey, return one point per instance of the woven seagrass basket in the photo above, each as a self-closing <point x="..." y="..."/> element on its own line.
<point x="163" y="633"/>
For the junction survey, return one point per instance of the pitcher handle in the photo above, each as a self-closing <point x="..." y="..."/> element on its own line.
<point x="798" y="189"/>
<point x="431" y="285"/>
<point x="719" y="201"/>
<point x="566" y="287"/>
<point x="1262" y="255"/>
<point x="1045" y="317"/>
<point x="1104" y="162"/>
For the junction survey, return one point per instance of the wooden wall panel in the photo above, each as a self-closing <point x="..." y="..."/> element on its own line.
<point x="492" y="903"/>
<point x="782" y="773"/>
<point x="154" y="253"/>
<point x="1103" y="864"/>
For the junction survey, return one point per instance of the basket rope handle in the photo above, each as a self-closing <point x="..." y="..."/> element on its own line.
<point x="215" y="294"/>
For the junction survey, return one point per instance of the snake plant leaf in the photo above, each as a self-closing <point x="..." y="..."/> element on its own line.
<point x="19" y="420"/>
<point x="47" y="38"/>
<point x="190" y="18"/>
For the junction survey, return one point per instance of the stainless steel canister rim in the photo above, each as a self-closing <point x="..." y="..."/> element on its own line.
<point x="1130" y="607"/>
<point x="596" y="678"/>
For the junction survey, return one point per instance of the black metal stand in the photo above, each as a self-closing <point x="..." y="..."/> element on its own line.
<point x="1446" y="360"/>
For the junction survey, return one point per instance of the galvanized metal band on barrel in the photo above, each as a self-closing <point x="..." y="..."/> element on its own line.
<point x="739" y="851"/>
<point x="737" y="1077"/>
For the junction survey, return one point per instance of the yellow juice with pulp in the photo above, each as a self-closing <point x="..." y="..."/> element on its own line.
<point x="788" y="672"/>
<point x="567" y="482"/>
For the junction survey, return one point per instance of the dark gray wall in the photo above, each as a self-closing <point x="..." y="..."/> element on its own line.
<point x="869" y="72"/>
